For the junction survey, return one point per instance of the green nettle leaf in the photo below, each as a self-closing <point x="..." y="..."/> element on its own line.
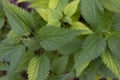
<point x="59" y="65"/>
<point x="70" y="47"/>
<point x="38" y="68"/>
<point x="114" y="45"/>
<point x="71" y="8"/>
<point x="93" y="47"/>
<point x="20" y="20"/>
<point x="81" y="26"/>
<point x="112" y="62"/>
<point x="12" y="54"/>
<point x="89" y="10"/>
<point x="112" y="5"/>
<point x="53" y="38"/>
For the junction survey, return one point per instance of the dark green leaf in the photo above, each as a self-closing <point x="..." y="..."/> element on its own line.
<point x="53" y="38"/>
<point x="93" y="47"/>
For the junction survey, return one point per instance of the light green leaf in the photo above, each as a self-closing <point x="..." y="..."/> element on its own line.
<point x="38" y="4"/>
<point x="59" y="65"/>
<point x="81" y="26"/>
<point x="54" y="17"/>
<point x="20" y="20"/>
<point x="77" y="15"/>
<point x="71" y="8"/>
<point x="93" y="47"/>
<point x="112" y="62"/>
<point x="38" y="68"/>
<point x="53" y="4"/>
<point x="68" y="20"/>
<point x="53" y="38"/>
<point x="112" y="5"/>
<point x="43" y="13"/>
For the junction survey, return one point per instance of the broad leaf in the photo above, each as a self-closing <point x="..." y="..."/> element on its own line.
<point x="112" y="62"/>
<point x="20" y="20"/>
<point x="89" y="10"/>
<point x="38" y="68"/>
<point x="53" y="38"/>
<point x="70" y="47"/>
<point x="93" y="47"/>
<point x="71" y="8"/>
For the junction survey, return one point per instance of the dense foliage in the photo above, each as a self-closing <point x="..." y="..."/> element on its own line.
<point x="59" y="39"/>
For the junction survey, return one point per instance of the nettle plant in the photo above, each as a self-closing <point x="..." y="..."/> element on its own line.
<point x="59" y="39"/>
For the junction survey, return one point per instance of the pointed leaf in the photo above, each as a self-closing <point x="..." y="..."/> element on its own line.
<point x="93" y="47"/>
<point x="43" y="13"/>
<point x="91" y="7"/>
<point x="71" y="8"/>
<point x="53" y="4"/>
<point x="112" y="62"/>
<point x="38" y="68"/>
<point x="20" y="20"/>
<point x="53" y="38"/>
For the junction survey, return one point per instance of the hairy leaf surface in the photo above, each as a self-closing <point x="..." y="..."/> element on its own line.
<point x="53" y="38"/>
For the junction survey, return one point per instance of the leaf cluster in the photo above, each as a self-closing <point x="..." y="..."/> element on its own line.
<point x="59" y="39"/>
